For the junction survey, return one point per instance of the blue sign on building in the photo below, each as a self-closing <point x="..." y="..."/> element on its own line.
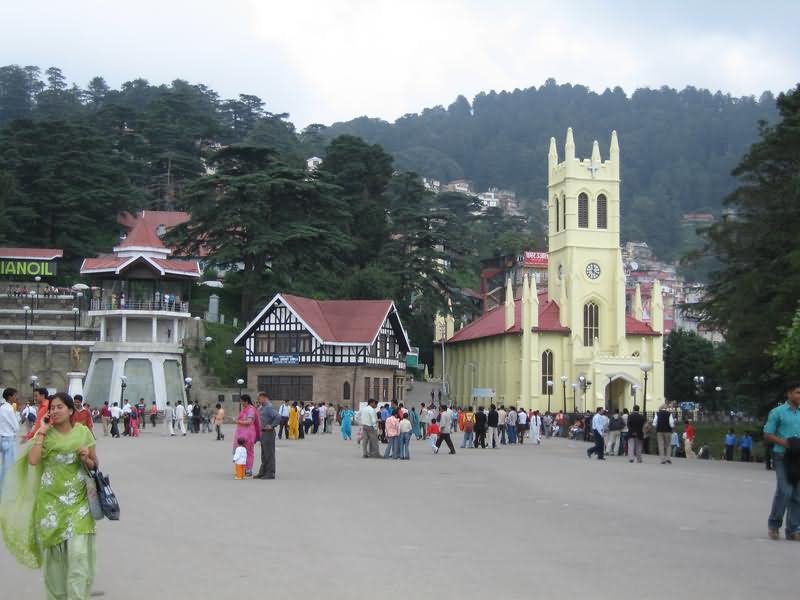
<point x="285" y="359"/>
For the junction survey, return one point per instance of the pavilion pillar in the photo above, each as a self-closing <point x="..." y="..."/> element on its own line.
<point x="154" y="336"/>
<point x="124" y="335"/>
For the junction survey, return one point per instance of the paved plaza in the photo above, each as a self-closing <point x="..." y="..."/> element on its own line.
<point x="517" y="522"/>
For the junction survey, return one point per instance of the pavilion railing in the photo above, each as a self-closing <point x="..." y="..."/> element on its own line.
<point x="165" y="305"/>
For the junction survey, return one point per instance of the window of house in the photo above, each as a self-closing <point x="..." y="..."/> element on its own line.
<point x="547" y="369"/>
<point x="602" y="212"/>
<point x="367" y="397"/>
<point x="385" y="390"/>
<point x="583" y="210"/>
<point x="291" y="388"/>
<point x="591" y="323"/>
<point x="346" y="391"/>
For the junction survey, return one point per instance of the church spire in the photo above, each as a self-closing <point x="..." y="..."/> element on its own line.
<point x="613" y="155"/>
<point x="569" y="147"/>
<point x="552" y="156"/>
<point x="638" y="312"/>
<point x="596" y="153"/>
<point x="509" y="305"/>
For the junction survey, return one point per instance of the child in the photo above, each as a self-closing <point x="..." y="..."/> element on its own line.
<point x="240" y="459"/>
<point x="433" y="431"/>
<point x="134" y="423"/>
<point x="675" y="443"/>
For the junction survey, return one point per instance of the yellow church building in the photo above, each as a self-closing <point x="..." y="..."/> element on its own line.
<point x="574" y="338"/>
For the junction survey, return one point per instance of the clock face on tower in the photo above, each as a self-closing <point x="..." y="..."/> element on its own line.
<point x="593" y="270"/>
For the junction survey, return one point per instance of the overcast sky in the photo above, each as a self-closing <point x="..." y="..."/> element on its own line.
<point x="326" y="61"/>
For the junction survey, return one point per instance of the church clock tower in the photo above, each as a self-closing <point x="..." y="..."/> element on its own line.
<point x="586" y="277"/>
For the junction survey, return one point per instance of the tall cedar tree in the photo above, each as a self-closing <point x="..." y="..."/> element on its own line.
<point x="67" y="185"/>
<point x="283" y="226"/>
<point x="755" y="290"/>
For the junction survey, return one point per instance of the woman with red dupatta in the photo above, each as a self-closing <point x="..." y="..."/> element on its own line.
<point x="248" y="427"/>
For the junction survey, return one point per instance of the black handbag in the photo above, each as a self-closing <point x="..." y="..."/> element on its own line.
<point x="107" y="497"/>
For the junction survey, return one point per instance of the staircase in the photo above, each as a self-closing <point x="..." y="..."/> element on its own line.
<point x="42" y="336"/>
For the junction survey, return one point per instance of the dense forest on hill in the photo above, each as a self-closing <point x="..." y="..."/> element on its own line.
<point x="678" y="148"/>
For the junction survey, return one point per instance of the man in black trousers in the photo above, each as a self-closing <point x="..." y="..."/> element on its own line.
<point x="270" y="419"/>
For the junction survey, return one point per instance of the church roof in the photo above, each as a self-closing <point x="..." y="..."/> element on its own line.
<point x="634" y="326"/>
<point x="347" y="322"/>
<point x="494" y="323"/>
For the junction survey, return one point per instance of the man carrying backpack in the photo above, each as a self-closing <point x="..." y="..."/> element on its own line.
<point x="615" y="426"/>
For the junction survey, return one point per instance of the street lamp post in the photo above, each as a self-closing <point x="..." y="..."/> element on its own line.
<point x="188" y="382"/>
<point x="574" y="405"/>
<point x="75" y="310"/>
<point x="228" y="354"/>
<point x="122" y="385"/>
<point x="584" y="384"/>
<point x="646" y="368"/>
<point x="37" y="279"/>
<point x="443" y="333"/>
<point x="27" y="309"/>
<point x="564" y="390"/>
<point x="549" y="392"/>
<point x="34" y="379"/>
<point x="240" y="383"/>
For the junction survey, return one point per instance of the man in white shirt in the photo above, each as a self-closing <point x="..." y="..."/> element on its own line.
<point x="180" y="416"/>
<point x="599" y="423"/>
<point x="189" y="415"/>
<point x="323" y="416"/>
<point x="369" y="424"/>
<point x="536" y="427"/>
<point x="283" y="412"/>
<point x="116" y="413"/>
<point x="522" y="424"/>
<point x="445" y="428"/>
<point x="501" y="424"/>
<point x="169" y="419"/>
<point x="9" y="428"/>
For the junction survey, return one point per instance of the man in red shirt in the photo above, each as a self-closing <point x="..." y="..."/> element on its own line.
<point x="43" y="407"/>
<point x="105" y="417"/>
<point x="82" y="414"/>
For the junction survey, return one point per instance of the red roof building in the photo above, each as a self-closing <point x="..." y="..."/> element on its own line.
<point x="340" y="351"/>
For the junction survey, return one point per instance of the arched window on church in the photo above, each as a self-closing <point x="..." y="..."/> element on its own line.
<point x="602" y="212"/>
<point x="547" y="369"/>
<point x="583" y="210"/>
<point x="591" y="323"/>
<point x="564" y="210"/>
<point x="558" y="214"/>
<point x="346" y="391"/>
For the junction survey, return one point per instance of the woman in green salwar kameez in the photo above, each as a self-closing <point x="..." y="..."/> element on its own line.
<point x="44" y="512"/>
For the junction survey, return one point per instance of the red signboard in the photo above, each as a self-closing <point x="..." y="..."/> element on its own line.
<point x="534" y="259"/>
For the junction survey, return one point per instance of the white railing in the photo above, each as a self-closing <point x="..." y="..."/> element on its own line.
<point x="171" y="306"/>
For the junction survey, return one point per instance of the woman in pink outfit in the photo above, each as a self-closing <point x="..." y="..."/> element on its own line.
<point x="248" y="427"/>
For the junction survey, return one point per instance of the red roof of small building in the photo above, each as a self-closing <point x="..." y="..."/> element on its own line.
<point x="31" y="253"/>
<point x="144" y="227"/>
<point x="356" y="321"/>
<point x="112" y="263"/>
<point x="493" y="323"/>
<point x="335" y="321"/>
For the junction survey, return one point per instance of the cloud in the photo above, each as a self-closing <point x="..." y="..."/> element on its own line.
<point x="327" y="61"/>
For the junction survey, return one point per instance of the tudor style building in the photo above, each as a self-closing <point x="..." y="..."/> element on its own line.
<point x="340" y="351"/>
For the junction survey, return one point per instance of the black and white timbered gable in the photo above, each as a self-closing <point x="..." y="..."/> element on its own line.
<point x="294" y="330"/>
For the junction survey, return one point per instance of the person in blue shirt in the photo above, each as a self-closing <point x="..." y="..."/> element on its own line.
<point x="730" y="444"/>
<point x="783" y="424"/>
<point x="746" y="446"/>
